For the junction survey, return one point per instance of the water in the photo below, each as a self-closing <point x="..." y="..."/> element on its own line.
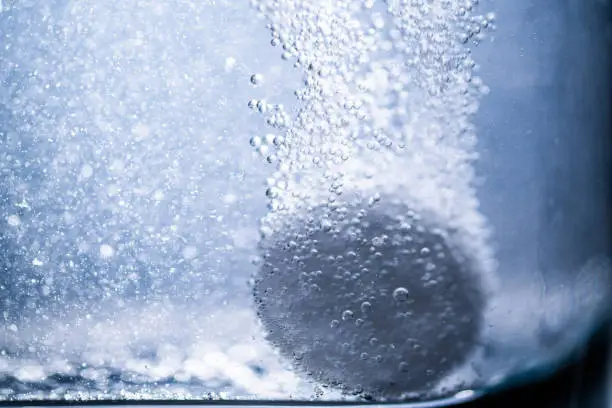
<point x="130" y="193"/>
<point x="153" y="153"/>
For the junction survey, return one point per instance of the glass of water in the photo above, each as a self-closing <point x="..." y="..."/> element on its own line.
<point x="300" y="200"/>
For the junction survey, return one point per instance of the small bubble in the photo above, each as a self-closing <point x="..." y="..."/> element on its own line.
<point x="364" y="356"/>
<point x="334" y="323"/>
<point x="270" y="138"/>
<point x="13" y="220"/>
<point x="404" y="367"/>
<point x="256" y="79"/>
<point x="141" y="131"/>
<point x="86" y="172"/>
<point x="272" y="192"/>
<point x="106" y="251"/>
<point x="255" y="141"/>
<point x="278" y="140"/>
<point x="326" y="225"/>
<point x="347" y="315"/>
<point x="366" y="307"/>
<point x="158" y="195"/>
<point x="359" y="322"/>
<point x="190" y="252"/>
<point x="262" y="106"/>
<point x="400" y="294"/>
<point x="230" y="63"/>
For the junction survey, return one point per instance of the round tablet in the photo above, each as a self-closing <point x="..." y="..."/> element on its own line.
<point x="369" y="298"/>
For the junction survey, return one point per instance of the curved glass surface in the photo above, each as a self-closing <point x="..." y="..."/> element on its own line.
<point x="300" y="200"/>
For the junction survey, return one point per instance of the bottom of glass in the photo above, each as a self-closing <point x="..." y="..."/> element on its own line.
<point x="583" y="382"/>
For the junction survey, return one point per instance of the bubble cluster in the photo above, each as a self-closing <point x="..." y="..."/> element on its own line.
<point x="372" y="205"/>
<point x="392" y="77"/>
<point x="117" y="146"/>
<point x="126" y="185"/>
<point x="145" y="352"/>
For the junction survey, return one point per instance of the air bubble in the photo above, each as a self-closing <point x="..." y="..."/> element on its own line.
<point x="86" y="172"/>
<point x="230" y="63"/>
<point x="255" y="141"/>
<point x="347" y="315"/>
<point x="270" y="138"/>
<point x="272" y="192"/>
<point x="256" y="79"/>
<point x="400" y="294"/>
<point x="106" y="251"/>
<point x="13" y="220"/>
<point x="190" y="252"/>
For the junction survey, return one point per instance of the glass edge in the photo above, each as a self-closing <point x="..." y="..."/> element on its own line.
<point x="450" y="401"/>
